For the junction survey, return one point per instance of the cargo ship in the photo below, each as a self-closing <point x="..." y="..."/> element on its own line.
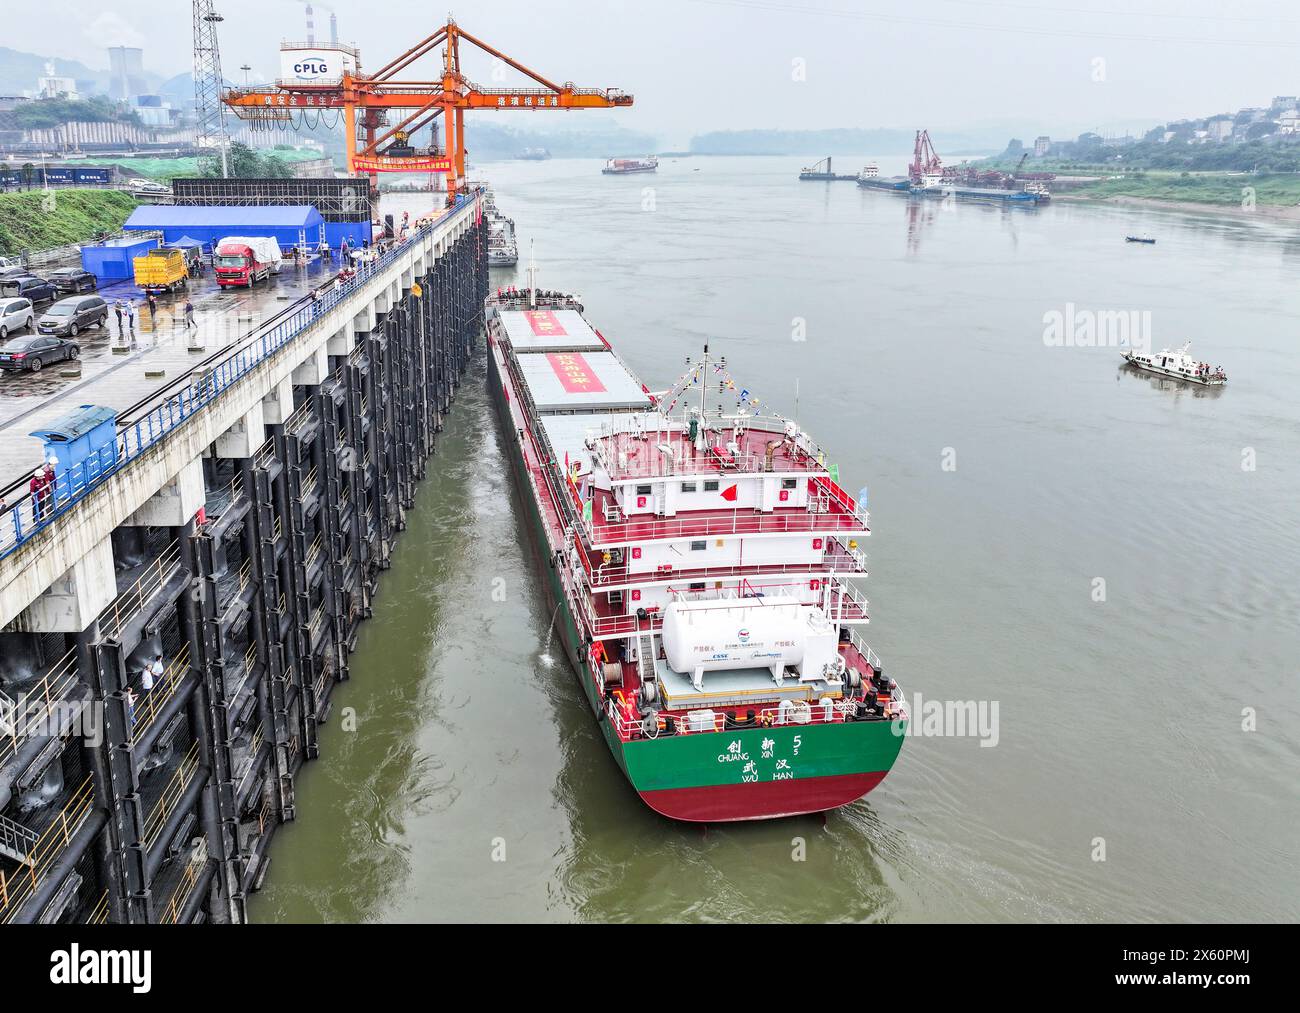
<point x="621" y="166"/>
<point x="503" y="247"/>
<point x="699" y="565"/>
<point x="1023" y="198"/>
<point x="869" y="178"/>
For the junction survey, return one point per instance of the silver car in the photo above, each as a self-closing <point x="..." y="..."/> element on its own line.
<point x="15" y="315"/>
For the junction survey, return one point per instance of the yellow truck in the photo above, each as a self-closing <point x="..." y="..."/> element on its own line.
<point x="160" y="270"/>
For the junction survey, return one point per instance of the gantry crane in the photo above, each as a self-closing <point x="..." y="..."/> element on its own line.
<point x="372" y="95"/>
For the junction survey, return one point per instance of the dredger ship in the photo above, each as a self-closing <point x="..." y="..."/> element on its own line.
<point x="700" y="563"/>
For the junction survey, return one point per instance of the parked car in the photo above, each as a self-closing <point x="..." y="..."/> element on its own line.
<point x="72" y="316"/>
<point x="12" y="270"/>
<point x="28" y="286"/>
<point x="15" y="314"/>
<point x="35" y="351"/>
<point x="73" y="279"/>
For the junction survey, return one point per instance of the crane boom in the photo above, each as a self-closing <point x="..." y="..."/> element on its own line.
<point x="448" y="97"/>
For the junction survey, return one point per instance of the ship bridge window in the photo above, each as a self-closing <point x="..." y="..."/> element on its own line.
<point x="699" y="546"/>
<point x="688" y="487"/>
<point x="643" y="490"/>
<point x="789" y="483"/>
<point x="711" y="485"/>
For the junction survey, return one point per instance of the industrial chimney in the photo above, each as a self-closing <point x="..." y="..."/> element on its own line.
<point x="334" y="29"/>
<point x="311" y="26"/>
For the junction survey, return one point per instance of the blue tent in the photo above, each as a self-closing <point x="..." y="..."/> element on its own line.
<point x="289" y="225"/>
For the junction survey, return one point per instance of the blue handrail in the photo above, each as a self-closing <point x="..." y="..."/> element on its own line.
<point x="34" y="512"/>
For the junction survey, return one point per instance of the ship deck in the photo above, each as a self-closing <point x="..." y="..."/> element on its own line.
<point x="609" y="527"/>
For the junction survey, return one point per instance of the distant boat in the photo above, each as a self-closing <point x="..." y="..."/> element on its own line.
<point x="1140" y="239"/>
<point x="534" y="155"/>
<point x="621" y="166"/>
<point x="1177" y="363"/>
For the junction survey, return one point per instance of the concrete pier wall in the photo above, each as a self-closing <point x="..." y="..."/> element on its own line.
<point x="232" y="562"/>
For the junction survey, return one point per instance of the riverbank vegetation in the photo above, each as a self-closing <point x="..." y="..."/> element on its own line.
<point x="40" y="219"/>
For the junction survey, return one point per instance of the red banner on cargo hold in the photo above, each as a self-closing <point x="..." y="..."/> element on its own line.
<point x="544" y="324"/>
<point x="574" y="373"/>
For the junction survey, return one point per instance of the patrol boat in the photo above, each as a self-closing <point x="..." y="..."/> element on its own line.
<point x="1177" y="364"/>
<point x="701" y="566"/>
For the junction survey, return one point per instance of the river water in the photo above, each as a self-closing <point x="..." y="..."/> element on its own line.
<point x="1108" y="558"/>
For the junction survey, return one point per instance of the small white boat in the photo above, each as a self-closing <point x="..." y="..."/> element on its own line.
<point x="1178" y="364"/>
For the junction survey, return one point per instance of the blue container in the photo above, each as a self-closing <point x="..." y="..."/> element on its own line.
<point x="84" y="443"/>
<point x="115" y="261"/>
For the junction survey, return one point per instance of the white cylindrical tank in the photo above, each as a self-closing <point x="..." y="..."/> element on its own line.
<point x="728" y="634"/>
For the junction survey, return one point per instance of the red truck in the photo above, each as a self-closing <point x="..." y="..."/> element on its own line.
<point x="242" y="260"/>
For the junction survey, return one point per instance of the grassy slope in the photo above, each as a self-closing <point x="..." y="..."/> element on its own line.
<point x="164" y="170"/>
<point x="76" y="217"/>
<point x="1204" y="188"/>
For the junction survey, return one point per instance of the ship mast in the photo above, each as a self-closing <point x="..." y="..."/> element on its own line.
<point x="532" y="277"/>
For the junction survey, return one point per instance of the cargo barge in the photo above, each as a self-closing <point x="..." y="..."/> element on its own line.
<point x="869" y="178"/>
<point x="623" y="166"/>
<point x="699" y="565"/>
<point x="823" y="171"/>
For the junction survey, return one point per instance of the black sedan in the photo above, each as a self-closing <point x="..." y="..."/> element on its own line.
<point x="38" y="290"/>
<point x="34" y="352"/>
<point x="73" y="279"/>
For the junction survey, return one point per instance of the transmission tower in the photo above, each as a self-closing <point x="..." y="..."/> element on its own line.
<point x="208" y="81"/>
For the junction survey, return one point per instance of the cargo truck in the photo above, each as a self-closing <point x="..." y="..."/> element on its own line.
<point x="161" y="270"/>
<point x="242" y="260"/>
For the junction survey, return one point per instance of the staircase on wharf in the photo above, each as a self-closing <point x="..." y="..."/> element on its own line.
<point x="235" y="538"/>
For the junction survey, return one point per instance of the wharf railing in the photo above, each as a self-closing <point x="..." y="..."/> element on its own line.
<point x="150" y="704"/>
<point x="25" y="513"/>
<point x="171" y="912"/>
<point x="171" y="795"/>
<point x="17" y="887"/>
<point x="33" y="712"/>
<point x="128" y="604"/>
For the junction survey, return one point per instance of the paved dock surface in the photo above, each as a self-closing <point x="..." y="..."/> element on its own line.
<point x="117" y="379"/>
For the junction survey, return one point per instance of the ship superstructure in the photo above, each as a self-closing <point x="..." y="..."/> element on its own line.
<point x="703" y="563"/>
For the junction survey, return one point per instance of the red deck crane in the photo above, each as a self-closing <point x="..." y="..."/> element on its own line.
<point x="423" y="102"/>
<point x="925" y="160"/>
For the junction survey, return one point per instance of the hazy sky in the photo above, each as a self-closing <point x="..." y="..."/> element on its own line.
<point x="693" y="65"/>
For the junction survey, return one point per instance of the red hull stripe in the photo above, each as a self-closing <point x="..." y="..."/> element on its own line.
<point x="759" y="800"/>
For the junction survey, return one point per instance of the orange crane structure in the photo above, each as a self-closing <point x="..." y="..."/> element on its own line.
<point x="364" y="101"/>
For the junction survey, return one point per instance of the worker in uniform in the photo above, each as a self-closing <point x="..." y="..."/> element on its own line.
<point x="37" y="487"/>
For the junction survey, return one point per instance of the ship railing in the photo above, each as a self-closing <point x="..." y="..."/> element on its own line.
<point x="32" y="713"/>
<point x="782" y="715"/>
<point x="150" y="704"/>
<point x="740" y="522"/>
<point x="843" y="603"/>
<point x="865" y="650"/>
<point x="16" y="888"/>
<point x="603" y="575"/>
<point x="174" y="407"/>
<point x="171" y="796"/>
<point x="128" y="604"/>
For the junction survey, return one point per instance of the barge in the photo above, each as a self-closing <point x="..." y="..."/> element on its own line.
<point x="701" y="570"/>
<point x="623" y="166"/>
